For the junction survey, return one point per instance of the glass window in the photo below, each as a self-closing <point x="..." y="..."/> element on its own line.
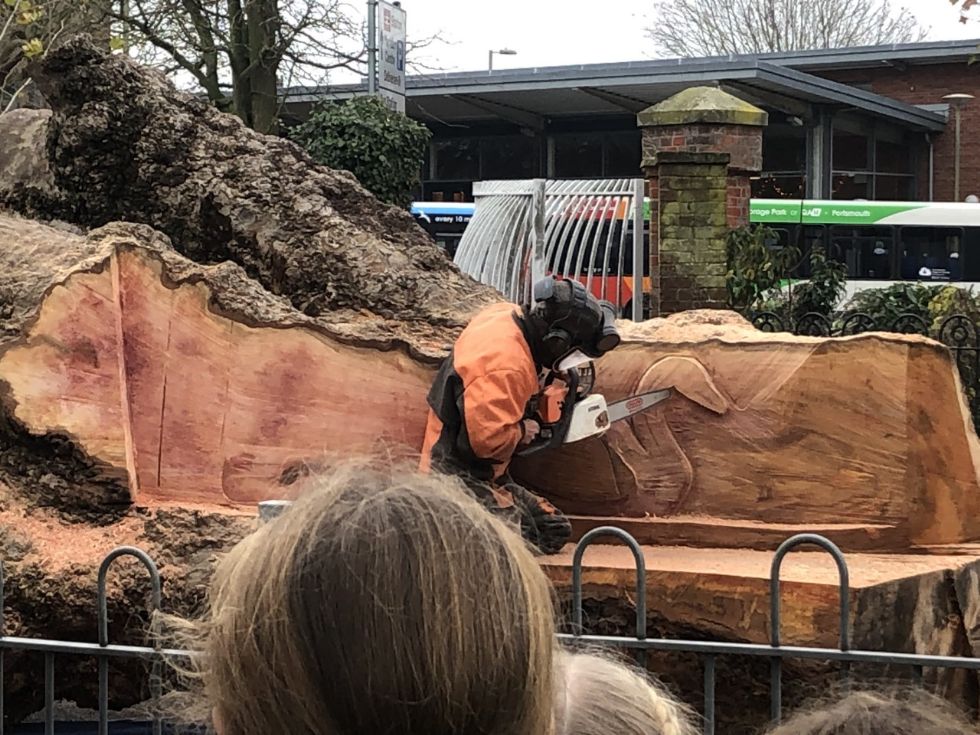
<point x="851" y="186"/>
<point x="812" y="238"/>
<point x="509" y="157"/>
<point x="931" y="253"/>
<point x="457" y="158"/>
<point x="448" y="191"/>
<point x="623" y="154"/>
<point x="970" y="257"/>
<point x="893" y="158"/>
<point x="894" y="188"/>
<point x="784" y="148"/>
<point x="868" y="252"/>
<point x="779" y="187"/>
<point x="578" y="156"/>
<point x="850" y="151"/>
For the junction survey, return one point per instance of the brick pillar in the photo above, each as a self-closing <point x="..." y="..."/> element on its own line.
<point x="699" y="149"/>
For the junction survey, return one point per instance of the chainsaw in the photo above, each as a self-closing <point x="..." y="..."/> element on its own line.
<point x="569" y="412"/>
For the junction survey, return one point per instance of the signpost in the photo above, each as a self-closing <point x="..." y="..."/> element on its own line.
<point x="391" y="44"/>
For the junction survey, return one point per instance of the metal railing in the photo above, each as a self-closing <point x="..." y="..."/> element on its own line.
<point x="587" y="230"/>
<point x="101" y="651"/>
<point x="775" y="651"/>
<point x="708" y="651"/>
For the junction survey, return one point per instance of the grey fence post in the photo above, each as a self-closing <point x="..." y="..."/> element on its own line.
<point x="538" y="265"/>
<point x="270" y="509"/>
<point x="639" y="193"/>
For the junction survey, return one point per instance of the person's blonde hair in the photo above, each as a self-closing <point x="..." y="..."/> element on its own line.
<point x="381" y="602"/>
<point x="601" y="695"/>
<point x="909" y="711"/>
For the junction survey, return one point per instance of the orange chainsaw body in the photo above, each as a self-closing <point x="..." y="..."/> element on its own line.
<point x="550" y="402"/>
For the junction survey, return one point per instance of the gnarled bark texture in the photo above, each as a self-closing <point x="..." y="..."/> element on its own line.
<point x="220" y="313"/>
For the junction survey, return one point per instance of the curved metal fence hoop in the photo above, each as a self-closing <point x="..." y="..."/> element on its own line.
<point x="813" y="324"/>
<point x="768" y="321"/>
<point x="857" y="323"/>
<point x="843" y="576"/>
<point x="910" y="324"/>
<point x="959" y="332"/>
<point x="156" y="595"/>
<point x="641" y="575"/>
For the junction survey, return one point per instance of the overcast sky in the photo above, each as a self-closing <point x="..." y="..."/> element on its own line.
<point x="555" y="32"/>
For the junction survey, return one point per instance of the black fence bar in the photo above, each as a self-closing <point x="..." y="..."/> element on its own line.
<point x="49" y="694"/>
<point x="709" y="695"/>
<point x="764" y="650"/>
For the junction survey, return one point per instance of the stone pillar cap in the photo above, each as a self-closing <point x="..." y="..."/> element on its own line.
<point x="702" y="105"/>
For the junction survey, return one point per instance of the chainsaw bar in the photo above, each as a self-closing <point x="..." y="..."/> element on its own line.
<point x="633" y="405"/>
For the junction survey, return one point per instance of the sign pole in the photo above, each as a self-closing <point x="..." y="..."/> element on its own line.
<point x="372" y="47"/>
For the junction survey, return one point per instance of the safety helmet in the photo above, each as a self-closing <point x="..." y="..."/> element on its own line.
<point x="575" y="322"/>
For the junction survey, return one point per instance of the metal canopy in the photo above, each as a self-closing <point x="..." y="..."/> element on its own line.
<point x="536" y="95"/>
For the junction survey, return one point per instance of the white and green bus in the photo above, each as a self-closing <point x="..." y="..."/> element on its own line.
<point x="881" y="242"/>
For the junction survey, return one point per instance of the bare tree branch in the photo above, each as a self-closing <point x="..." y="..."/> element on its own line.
<point x="28" y="28"/>
<point x="694" y="28"/>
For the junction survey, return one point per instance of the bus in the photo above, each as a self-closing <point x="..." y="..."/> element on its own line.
<point x="881" y="243"/>
<point x="446" y="221"/>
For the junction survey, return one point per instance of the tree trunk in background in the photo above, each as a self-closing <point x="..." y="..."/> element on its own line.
<point x="263" y="32"/>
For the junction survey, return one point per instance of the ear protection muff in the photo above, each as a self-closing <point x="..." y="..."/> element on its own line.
<point x="559" y="341"/>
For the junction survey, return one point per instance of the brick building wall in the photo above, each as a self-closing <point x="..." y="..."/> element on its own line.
<point x="919" y="85"/>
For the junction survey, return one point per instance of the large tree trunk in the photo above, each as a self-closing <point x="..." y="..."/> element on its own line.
<point x="152" y="390"/>
<point x="263" y="37"/>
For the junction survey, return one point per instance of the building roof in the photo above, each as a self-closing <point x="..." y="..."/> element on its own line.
<point x="781" y="81"/>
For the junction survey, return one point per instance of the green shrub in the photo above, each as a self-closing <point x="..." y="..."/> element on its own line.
<point x="753" y="267"/>
<point x="821" y="293"/>
<point x="885" y="305"/>
<point x="382" y="148"/>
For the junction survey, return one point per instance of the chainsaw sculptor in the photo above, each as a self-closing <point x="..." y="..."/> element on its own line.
<point x="499" y="393"/>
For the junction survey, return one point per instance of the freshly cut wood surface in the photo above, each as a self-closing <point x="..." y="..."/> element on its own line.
<point x="871" y="430"/>
<point x="192" y="382"/>
<point x="134" y="359"/>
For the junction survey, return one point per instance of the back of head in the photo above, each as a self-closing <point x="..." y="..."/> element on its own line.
<point x="381" y="603"/>
<point x="896" y="712"/>
<point x="603" y="696"/>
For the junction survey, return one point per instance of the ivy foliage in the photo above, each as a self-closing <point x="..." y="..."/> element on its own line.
<point x="382" y="148"/>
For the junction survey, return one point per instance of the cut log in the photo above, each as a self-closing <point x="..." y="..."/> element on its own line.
<point x="190" y="383"/>
<point x="193" y="383"/>
<point x="868" y="438"/>
<point x="191" y="388"/>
